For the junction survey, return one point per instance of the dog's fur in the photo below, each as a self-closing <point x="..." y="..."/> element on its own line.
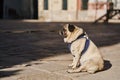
<point x="91" y="61"/>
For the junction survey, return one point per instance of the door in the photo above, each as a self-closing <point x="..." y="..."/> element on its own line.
<point x="1" y="9"/>
<point x="35" y="9"/>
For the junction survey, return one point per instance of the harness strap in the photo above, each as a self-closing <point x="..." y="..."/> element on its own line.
<point x="87" y="43"/>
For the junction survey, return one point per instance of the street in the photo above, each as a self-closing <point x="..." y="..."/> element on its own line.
<point x="33" y="50"/>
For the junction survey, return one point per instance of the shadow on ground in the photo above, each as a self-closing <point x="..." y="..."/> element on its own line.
<point x="107" y="65"/>
<point x="8" y="73"/>
<point x="22" y="42"/>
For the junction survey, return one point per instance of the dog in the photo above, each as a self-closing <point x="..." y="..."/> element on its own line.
<point x="86" y="56"/>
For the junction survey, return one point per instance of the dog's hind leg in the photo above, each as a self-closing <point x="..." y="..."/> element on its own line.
<point x="88" y="66"/>
<point x="91" y="67"/>
<point x="81" y="68"/>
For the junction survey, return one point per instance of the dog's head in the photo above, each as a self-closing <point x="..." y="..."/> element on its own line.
<point x="70" y="32"/>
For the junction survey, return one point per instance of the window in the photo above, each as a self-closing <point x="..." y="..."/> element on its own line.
<point x="64" y="4"/>
<point x="45" y="4"/>
<point x="84" y="4"/>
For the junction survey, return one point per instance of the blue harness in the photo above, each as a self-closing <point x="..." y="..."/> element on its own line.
<point x="87" y="43"/>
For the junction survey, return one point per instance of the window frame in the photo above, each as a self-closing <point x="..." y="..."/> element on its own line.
<point x="45" y="5"/>
<point x="64" y="4"/>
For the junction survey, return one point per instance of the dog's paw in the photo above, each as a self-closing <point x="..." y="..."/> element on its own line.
<point x="70" y="65"/>
<point x="74" y="67"/>
<point x="70" y="71"/>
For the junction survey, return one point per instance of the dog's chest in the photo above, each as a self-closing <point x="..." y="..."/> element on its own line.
<point x="74" y="47"/>
<point x="79" y="47"/>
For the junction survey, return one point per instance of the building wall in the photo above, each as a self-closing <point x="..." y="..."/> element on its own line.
<point x="116" y="4"/>
<point x="55" y="12"/>
<point x="97" y="8"/>
<point x="54" y="5"/>
<point x="100" y="7"/>
<point x="25" y="9"/>
<point x="72" y="5"/>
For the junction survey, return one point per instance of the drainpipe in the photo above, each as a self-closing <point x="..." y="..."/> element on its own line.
<point x="77" y="10"/>
<point x="96" y="9"/>
<point x="78" y="7"/>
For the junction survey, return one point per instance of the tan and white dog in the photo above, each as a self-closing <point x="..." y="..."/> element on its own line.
<point x="85" y="53"/>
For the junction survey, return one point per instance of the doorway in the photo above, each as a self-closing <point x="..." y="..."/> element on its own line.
<point x="35" y="7"/>
<point x="1" y="9"/>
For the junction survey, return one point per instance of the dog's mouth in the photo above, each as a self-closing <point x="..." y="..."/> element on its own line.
<point x="63" y="33"/>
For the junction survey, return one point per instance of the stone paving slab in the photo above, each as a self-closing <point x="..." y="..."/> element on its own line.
<point x="55" y="69"/>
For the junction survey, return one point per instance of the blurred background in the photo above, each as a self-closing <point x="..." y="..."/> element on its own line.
<point x="56" y="10"/>
<point x="32" y="49"/>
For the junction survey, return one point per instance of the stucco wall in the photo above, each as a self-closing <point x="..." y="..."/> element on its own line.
<point x="55" y="12"/>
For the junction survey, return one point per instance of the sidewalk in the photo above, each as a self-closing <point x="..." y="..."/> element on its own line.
<point x="35" y="51"/>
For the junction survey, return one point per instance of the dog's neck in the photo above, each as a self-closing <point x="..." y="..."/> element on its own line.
<point x="80" y="36"/>
<point x="72" y="38"/>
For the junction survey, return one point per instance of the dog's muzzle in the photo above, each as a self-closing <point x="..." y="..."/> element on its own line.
<point x="62" y="33"/>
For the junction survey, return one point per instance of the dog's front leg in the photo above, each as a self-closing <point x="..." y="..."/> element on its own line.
<point x="71" y="65"/>
<point x="76" y="61"/>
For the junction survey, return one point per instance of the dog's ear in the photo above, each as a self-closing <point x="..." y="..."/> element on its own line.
<point x="71" y="27"/>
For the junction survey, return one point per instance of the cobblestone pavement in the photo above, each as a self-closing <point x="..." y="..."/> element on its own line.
<point x="32" y="50"/>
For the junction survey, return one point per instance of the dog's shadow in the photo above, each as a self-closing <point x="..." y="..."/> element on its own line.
<point x="107" y="65"/>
